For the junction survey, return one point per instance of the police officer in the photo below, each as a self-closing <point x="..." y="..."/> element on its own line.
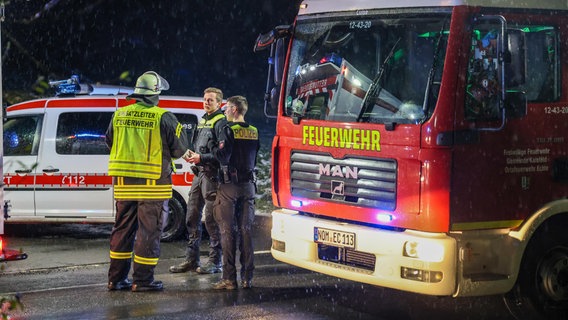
<point x="143" y="139"/>
<point x="234" y="207"/>
<point x="204" y="187"/>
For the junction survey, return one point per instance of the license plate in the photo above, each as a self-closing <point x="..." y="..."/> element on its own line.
<point x="334" y="237"/>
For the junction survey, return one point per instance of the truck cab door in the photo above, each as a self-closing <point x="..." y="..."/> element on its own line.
<point x="503" y="164"/>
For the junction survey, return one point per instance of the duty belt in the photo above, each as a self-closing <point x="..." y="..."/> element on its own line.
<point x="246" y="176"/>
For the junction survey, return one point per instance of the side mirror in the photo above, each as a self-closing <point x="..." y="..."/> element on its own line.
<point x="279" y="59"/>
<point x="274" y="96"/>
<point x="265" y="40"/>
<point x="276" y="41"/>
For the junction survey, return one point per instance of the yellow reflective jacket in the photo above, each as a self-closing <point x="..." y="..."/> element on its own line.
<point x="137" y="144"/>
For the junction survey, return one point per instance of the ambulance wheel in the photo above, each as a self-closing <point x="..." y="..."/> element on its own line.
<point x="174" y="221"/>
<point x="541" y="291"/>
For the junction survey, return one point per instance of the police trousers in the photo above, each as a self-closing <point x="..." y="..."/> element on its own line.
<point x="201" y="196"/>
<point x="135" y="236"/>
<point x="234" y="212"/>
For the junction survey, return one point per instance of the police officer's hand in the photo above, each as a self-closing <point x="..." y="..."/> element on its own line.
<point x="194" y="158"/>
<point x="187" y="155"/>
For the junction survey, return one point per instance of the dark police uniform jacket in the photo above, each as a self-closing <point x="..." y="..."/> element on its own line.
<point x="208" y="131"/>
<point x="237" y="152"/>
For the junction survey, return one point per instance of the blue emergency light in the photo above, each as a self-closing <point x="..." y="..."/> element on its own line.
<point x="70" y="86"/>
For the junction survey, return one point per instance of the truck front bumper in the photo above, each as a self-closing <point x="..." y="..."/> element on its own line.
<point x="411" y="261"/>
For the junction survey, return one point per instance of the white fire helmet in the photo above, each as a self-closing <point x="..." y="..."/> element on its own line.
<point x="150" y="83"/>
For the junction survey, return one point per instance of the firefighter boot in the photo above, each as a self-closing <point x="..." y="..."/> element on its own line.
<point x="120" y="285"/>
<point x="152" y="286"/>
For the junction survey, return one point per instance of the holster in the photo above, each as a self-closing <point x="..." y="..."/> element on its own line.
<point x="229" y="175"/>
<point x="225" y="175"/>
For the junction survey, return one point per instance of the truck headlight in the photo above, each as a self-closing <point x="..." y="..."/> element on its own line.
<point x="427" y="251"/>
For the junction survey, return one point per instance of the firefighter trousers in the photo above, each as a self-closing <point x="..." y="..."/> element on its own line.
<point x="135" y="237"/>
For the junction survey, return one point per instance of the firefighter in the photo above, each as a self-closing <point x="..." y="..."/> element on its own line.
<point x="143" y="139"/>
<point x="234" y="206"/>
<point x="204" y="188"/>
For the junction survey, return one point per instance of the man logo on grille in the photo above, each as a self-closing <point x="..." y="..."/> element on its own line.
<point x="337" y="187"/>
<point x="347" y="172"/>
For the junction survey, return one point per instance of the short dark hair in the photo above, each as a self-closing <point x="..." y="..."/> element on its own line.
<point x="240" y="102"/>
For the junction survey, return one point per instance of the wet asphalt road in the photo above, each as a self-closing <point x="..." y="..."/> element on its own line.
<point x="64" y="277"/>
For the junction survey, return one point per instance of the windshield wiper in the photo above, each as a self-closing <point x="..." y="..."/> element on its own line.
<point x="375" y="89"/>
<point x="433" y="70"/>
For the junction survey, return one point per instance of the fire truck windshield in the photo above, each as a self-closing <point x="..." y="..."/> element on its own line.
<point x="335" y="62"/>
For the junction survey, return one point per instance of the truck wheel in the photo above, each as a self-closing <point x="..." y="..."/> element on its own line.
<point x="174" y="221"/>
<point x="541" y="291"/>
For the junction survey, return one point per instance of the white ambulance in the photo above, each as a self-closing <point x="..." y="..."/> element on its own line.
<point x="56" y="159"/>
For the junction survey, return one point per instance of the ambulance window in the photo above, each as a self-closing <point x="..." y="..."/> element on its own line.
<point x="82" y="133"/>
<point x="22" y="135"/>
<point x="189" y="123"/>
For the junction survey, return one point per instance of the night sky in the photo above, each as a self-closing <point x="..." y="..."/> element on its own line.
<point x="192" y="43"/>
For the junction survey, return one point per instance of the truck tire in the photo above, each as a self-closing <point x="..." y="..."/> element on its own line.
<point x="174" y="220"/>
<point x="541" y="291"/>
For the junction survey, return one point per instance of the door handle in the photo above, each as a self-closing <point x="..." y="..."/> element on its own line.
<point x="50" y="170"/>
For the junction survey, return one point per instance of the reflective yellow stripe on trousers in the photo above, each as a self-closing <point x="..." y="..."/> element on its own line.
<point x="146" y="261"/>
<point x="120" y="255"/>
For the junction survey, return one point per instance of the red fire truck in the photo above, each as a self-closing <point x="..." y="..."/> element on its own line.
<point x="421" y="146"/>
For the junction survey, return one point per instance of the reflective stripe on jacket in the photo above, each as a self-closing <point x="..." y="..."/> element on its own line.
<point x="148" y="191"/>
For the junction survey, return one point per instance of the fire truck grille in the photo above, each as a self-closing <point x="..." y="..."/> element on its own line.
<point x="359" y="181"/>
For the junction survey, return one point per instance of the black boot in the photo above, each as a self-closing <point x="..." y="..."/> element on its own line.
<point x="152" y="286"/>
